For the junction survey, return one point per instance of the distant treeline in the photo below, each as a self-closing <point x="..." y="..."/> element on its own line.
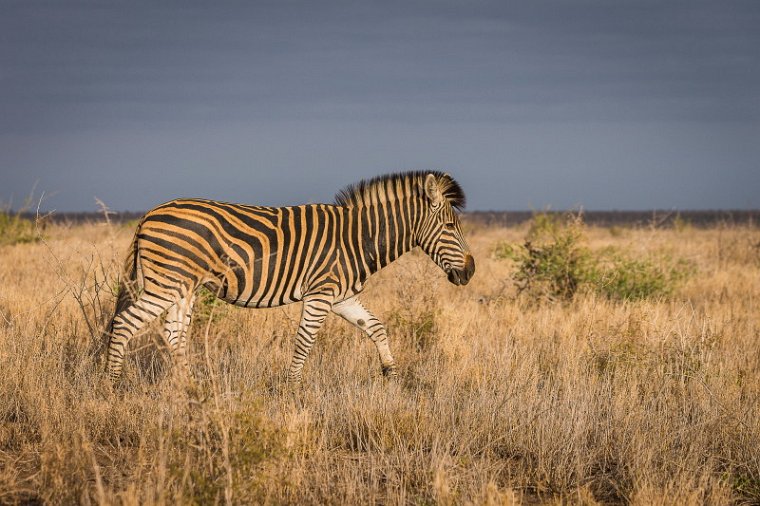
<point x="658" y="218"/>
<point x="69" y="218"/>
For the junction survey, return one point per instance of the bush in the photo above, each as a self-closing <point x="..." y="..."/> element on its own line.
<point x="14" y="229"/>
<point x="555" y="263"/>
<point x="620" y="277"/>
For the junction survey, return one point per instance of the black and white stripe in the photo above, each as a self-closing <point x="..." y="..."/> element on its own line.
<point x="256" y="256"/>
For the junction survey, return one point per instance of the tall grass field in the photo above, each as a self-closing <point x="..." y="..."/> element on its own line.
<point x="581" y="365"/>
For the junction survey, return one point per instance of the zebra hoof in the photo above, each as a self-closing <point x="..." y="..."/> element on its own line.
<point x="390" y="371"/>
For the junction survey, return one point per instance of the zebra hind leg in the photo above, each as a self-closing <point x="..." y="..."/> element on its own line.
<point x="315" y="309"/>
<point x="125" y="324"/>
<point x="175" y="331"/>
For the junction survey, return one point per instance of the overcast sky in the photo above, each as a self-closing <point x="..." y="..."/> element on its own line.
<point x="601" y="104"/>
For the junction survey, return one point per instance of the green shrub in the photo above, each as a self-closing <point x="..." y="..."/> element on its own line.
<point x="555" y="263"/>
<point x="14" y="229"/>
<point x="620" y="277"/>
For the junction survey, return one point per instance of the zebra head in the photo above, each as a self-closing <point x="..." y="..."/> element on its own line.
<point x="440" y="233"/>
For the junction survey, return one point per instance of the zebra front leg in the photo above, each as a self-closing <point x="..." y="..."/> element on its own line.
<point x="353" y="311"/>
<point x="315" y="309"/>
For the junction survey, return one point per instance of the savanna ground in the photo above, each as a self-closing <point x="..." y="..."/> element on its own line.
<point x="503" y="398"/>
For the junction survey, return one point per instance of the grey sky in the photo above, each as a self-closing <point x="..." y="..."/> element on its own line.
<point x="605" y="104"/>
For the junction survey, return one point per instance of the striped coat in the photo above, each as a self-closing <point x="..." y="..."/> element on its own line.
<point x="255" y="256"/>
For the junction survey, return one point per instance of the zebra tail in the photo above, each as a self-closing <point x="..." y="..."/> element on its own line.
<point x="128" y="290"/>
<point x="130" y="285"/>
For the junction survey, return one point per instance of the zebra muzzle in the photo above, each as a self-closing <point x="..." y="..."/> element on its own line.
<point x="462" y="276"/>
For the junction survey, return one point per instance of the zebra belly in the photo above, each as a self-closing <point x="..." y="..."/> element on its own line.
<point x="238" y="299"/>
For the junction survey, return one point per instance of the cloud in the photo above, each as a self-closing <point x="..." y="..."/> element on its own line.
<point x="552" y="59"/>
<point x="362" y="72"/>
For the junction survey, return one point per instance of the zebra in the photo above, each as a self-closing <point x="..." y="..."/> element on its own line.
<point x="256" y="256"/>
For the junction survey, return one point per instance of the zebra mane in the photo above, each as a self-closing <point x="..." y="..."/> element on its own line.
<point x="365" y="191"/>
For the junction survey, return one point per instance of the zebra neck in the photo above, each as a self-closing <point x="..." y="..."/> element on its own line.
<point x="386" y="232"/>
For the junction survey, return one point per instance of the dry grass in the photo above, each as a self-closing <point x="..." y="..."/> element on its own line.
<point x="501" y="400"/>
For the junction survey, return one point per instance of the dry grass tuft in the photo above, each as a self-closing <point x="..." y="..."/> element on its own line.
<point x="501" y="400"/>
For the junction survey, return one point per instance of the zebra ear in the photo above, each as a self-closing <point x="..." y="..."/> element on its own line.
<point x="432" y="190"/>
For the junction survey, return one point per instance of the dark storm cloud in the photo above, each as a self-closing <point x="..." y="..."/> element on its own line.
<point x="608" y="104"/>
<point x="460" y="59"/>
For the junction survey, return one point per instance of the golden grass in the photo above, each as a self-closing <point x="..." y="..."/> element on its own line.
<point x="501" y="400"/>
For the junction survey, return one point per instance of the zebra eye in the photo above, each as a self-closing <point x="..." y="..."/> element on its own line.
<point x="450" y="225"/>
